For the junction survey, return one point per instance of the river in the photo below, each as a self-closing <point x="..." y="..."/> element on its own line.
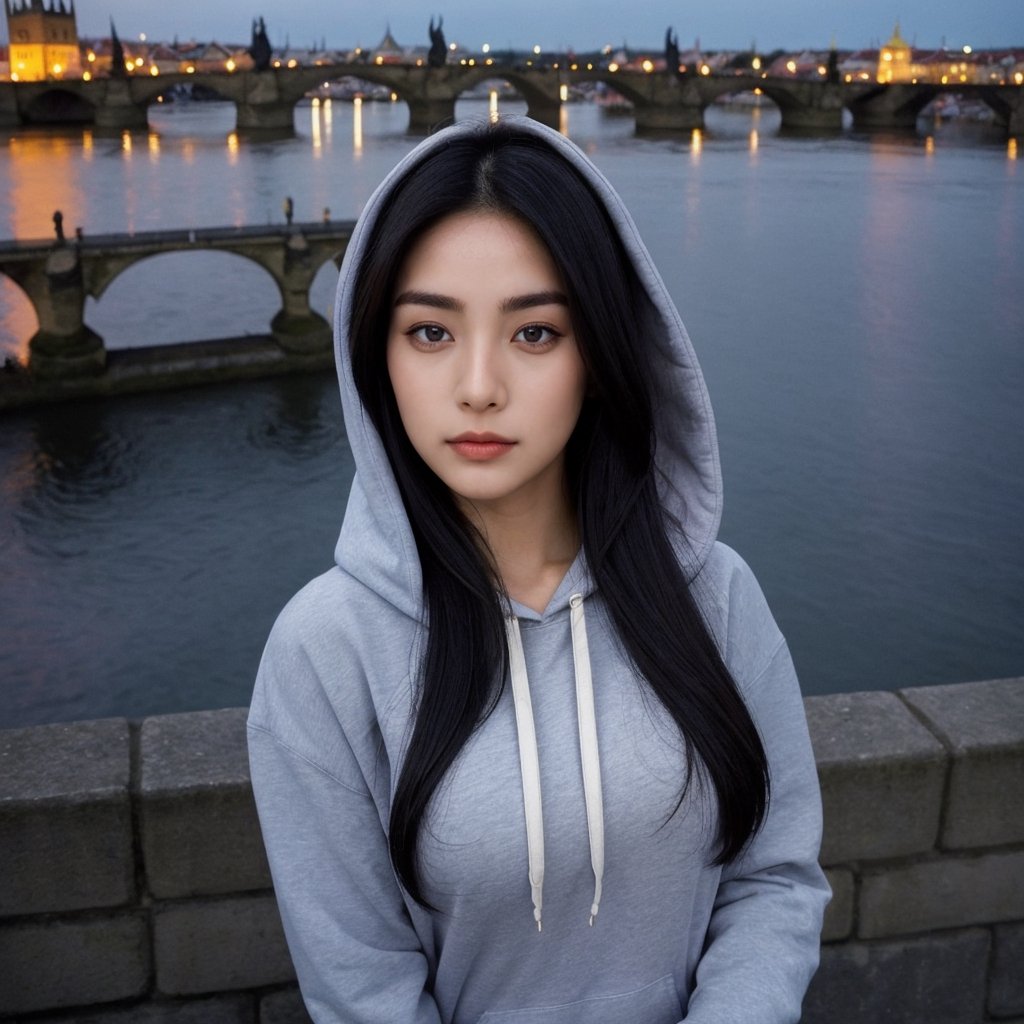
<point x="856" y="302"/>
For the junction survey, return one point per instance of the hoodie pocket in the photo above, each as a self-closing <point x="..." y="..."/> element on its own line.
<point x="657" y="1003"/>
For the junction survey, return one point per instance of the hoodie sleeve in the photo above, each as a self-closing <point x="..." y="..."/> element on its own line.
<point x="356" y="954"/>
<point x="763" y="940"/>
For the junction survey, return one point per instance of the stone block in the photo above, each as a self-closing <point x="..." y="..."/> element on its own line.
<point x="219" y="946"/>
<point x="284" y="1007"/>
<point x="65" y="817"/>
<point x="882" y="776"/>
<point x="233" y="1009"/>
<point x="200" y="832"/>
<point x="939" y="979"/>
<point x="950" y="892"/>
<point x="983" y="726"/>
<point x="1006" y="982"/>
<point x="838" y="922"/>
<point x="72" y="963"/>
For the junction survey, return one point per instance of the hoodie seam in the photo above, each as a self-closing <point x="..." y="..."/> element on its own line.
<point x="308" y="761"/>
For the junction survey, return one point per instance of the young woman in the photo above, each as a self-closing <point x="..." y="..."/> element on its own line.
<point x="533" y="752"/>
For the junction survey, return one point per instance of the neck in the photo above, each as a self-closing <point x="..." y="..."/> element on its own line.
<point x="531" y="546"/>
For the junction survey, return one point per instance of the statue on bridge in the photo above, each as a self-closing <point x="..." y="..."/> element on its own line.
<point x="260" y="49"/>
<point x="117" y="65"/>
<point x="58" y="226"/>
<point x="438" y="54"/>
<point x="671" y="52"/>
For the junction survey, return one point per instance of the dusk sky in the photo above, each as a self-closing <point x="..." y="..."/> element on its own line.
<point x="727" y="24"/>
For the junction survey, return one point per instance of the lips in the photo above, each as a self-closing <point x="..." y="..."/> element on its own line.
<point x="481" y="447"/>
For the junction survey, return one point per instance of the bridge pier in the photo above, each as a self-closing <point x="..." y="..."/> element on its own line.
<point x="677" y="117"/>
<point x="277" y="117"/>
<point x="820" y="111"/>
<point x="119" y="108"/>
<point x="64" y="346"/>
<point x="296" y="328"/>
<point x="425" y="115"/>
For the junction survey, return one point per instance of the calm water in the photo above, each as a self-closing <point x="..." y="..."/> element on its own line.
<point x="856" y="303"/>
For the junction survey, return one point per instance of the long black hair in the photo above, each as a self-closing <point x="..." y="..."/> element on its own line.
<point x="611" y="473"/>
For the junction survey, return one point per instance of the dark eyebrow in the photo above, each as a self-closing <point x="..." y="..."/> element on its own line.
<point x="520" y="302"/>
<point x="413" y="298"/>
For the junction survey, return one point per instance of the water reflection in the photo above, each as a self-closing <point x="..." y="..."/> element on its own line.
<point x="75" y="461"/>
<point x="357" y="126"/>
<point x="314" y="119"/>
<point x="303" y="421"/>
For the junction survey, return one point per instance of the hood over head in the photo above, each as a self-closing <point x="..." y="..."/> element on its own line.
<point x="377" y="545"/>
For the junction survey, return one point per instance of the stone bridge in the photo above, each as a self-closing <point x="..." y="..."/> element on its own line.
<point x="266" y="100"/>
<point x="57" y="278"/>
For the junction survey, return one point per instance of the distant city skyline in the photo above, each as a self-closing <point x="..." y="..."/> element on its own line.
<point x="729" y="24"/>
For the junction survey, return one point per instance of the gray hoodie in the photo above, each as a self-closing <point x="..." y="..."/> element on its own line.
<point x="548" y="810"/>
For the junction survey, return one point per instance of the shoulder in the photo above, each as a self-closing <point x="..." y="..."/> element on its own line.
<point x="335" y="660"/>
<point x="737" y="613"/>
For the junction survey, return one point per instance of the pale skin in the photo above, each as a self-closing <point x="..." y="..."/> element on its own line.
<point x="489" y="383"/>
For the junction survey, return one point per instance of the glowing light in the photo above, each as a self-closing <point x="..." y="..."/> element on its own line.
<point x="57" y="69"/>
<point x="791" y="66"/>
<point x="648" y="65"/>
<point x="753" y="141"/>
<point x="139" y="62"/>
<point x="536" y="49"/>
<point x="15" y="77"/>
<point x="968" y="50"/>
<point x="232" y="148"/>
<point x="379" y="60"/>
<point x="613" y="67"/>
<point x="315" y="124"/>
<point x="153" y="142"/>
<point x="563" y="92"/>
<point x="822" y="70"/>
<point x="293" y="63"/>
<point x="590" y="67"/>
<point x="230" y="64"/>
<point x="90" y="57"/>
<point x="756" y="63"/>
<point x="1019" y="78"/>
<point x="142" y="37"/>
<point x="696" y="142"/>
<point x="486" y="48"/>
<point x="492" y="105"/>
<point x="1011" y="149"/>
<point x="126" y="142"/>
<point x="705" y="70"/>
<point x="394" y="97"/>
<point x="929" y="145"/>
<point x="190" y="70"/>
<point x="154" y="70"/>
<point x="86" y="76"/>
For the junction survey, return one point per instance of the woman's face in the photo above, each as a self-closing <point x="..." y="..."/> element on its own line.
<point x="483" y="361"/>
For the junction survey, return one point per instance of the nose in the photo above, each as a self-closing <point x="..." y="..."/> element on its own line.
<point x="481" y="384"/>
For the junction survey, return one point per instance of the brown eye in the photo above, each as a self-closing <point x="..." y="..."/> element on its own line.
<point x="429" y="334"/>
<point x="537" y="335"/>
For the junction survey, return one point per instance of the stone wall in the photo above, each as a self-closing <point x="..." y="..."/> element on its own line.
<point x="135" y="887"/>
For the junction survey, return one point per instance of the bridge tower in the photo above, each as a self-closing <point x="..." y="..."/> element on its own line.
<point x="43" y="40"/>
<point x="895" y="59"/>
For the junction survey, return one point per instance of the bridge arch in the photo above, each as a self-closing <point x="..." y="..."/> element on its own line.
<point x="18" y="319"/>
<point x="59" y="106"/>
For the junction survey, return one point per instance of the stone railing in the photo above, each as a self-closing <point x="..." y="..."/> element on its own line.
<point x="135" y="887"/>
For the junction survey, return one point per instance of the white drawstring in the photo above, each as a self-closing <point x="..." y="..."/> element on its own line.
<point x="529" y="761"/>
<point x="589" y="757"/>
<point x="529" y="765"/>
